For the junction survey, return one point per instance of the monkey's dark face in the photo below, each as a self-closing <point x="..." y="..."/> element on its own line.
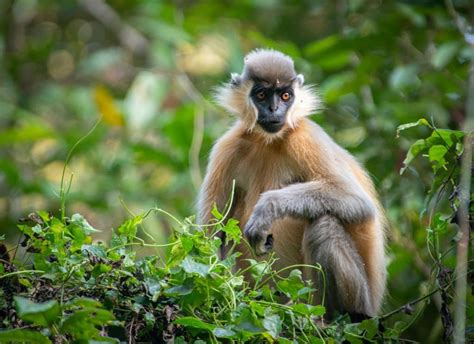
<point x="272" y="103"/>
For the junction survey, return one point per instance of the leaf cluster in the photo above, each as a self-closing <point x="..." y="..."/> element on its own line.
<point x="72" y="289"/>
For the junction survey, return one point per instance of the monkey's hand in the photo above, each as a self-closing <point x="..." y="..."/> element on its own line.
<point x="257" y="230"/>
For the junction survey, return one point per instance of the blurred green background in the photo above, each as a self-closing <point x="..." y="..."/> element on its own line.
<point x="148" y="68"/>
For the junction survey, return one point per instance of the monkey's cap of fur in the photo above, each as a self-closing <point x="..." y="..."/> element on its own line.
<point x="270" y="66"/>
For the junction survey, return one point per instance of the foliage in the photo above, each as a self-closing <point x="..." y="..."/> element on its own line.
<point x="81" y="291"/>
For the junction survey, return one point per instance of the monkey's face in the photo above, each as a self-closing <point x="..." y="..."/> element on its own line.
<point x="272" y="103"/>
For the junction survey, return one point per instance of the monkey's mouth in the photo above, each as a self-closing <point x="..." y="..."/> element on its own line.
<point x="271" y="126"/>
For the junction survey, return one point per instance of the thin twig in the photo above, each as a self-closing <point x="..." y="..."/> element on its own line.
<point x="411" y="303"/>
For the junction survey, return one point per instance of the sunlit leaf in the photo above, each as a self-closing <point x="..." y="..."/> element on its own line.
<point x="107" y="107"/>
<point x="232" y="231"/>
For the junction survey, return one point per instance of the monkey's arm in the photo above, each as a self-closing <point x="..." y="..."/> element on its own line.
<point x="346" y="201"/>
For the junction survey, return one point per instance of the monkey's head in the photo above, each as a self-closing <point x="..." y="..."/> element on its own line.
<point x="268" y="96"/>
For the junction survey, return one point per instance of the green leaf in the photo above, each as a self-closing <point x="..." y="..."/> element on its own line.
<point x="32" y="130"/>
<point x="370" y="326"/>
<point x="305" y="309"/>
<point x="322" y="45"/>
<point x="258" y="269"/>
<point x="317" y="310"/>
<point x="436" y="155"/>
<point x="84" y="302"/>
<point x="232" y="231"/>
<point x="96" y="250"/>
<point x="272" y="324"/>
<point x="216" y="213"/>
<point x="292" y="285"/>
<point x="195" y="323"/>
<point x="337" y="85"/>
<point x="42" y="314"/>
<point x="444" y="53"/>
<point x="445" y="137"/>
<point x="220" y="332"/>
<point x="404" y="77"/>
<point x="188" y="244"/>
<point x="129" y="227"/>
<point x="417" y="148"/>
<point x="406" y="126"/>
<point x="24" y="336"/>
<point x="191" y="266"/>
<point x="82" y="324"/>
<point x="82" y="223"/>
<point x="44" y="215"/>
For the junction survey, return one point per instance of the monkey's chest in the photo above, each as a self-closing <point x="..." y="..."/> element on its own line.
<point x="257" y="173"/>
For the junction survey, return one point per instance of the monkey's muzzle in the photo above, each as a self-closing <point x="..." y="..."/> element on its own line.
<point x="271" y="126"/>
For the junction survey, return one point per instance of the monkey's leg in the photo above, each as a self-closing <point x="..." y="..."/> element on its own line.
<point x="326" y="242"/>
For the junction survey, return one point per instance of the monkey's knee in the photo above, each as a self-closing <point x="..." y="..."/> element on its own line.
<point x="327" y="243"/>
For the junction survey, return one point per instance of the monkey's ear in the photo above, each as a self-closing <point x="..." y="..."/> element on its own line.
<point x="300" y="79"/>
<point x="235" y="79"/>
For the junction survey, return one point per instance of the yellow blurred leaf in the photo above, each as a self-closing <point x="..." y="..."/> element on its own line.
<point x="106" y="105"/>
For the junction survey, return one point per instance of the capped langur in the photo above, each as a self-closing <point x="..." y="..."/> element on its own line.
<point x="297" y="192"/>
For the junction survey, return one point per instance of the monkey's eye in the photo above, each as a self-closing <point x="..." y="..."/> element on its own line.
<point x="261" y="95"/>
<point x="285" y="96"/>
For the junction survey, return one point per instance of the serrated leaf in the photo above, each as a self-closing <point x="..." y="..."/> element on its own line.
<point x="42" y="314"/>
<point x="232" y="231"/>
<point x="129" y="227"/>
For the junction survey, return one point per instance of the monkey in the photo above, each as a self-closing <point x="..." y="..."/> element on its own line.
<point x="297" y="192"/>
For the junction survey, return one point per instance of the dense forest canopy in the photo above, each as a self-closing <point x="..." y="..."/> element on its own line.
<point x="129" y="86"/>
